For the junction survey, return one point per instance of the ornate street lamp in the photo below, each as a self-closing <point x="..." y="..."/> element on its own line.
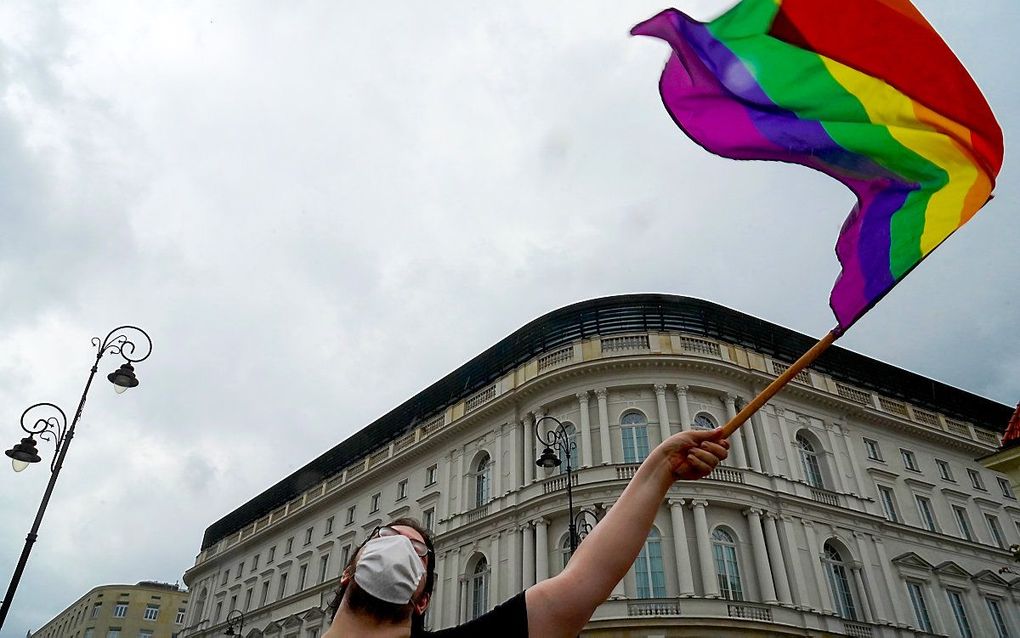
<point x="230" y="624"/>
<point x="559" y="438"/>
<point x="48" y="422"/>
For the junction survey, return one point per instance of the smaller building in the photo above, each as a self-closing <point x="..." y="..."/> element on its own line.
<point x="145" y="610"/>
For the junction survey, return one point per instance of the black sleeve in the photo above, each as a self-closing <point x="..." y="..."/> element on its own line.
<point x="509" y="620"/>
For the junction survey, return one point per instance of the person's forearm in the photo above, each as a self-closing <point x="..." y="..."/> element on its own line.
<point x="568" y="601"/>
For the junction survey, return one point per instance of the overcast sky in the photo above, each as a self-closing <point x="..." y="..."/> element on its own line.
<point x="318" y="208"/>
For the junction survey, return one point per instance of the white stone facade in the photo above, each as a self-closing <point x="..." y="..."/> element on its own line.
<point x="790" y="537"/>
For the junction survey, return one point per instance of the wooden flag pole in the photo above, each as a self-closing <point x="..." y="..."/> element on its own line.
<point x="805" y="360"/>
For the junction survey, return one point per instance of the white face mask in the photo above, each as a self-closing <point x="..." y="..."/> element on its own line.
<point x="389" y="569"/>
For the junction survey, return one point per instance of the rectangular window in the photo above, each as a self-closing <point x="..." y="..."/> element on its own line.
<point x="909" y="460"/>
<point x="402" y="489"/>
<point x="975" y="480"/>
<point x="289" y="546"/>
<point x="888" y="503"/>
<point x="302" y="572"/>
<point x="120" y="610"/>
<point x="375" y="503"/>
<point x="180" y="617"/>
<point x="345" y="555"/>
<point x="255" y="563"/>
<point x="924" y="508"/>
<point x="226" y="575"/>
<point x="430" y="475"/>
<point x="323" y="568"/>
<point x="312" y="633"/>
<point x="1006" y="488"/>
<point x="919" y="605"/>
<point x="308" y="535"/>
<point x="95" y="609"/>
<point x="960" y="613"/>
<point x="329" y="526"/>
<point x="90" y="632"/>
<point x="428" y="519"/>
<point x="871" y="447"/>
<point x="247" y="599"/>
<point x="963" y="521"/>
<point x="998" y="538"/>
<point x="272" y="555"/>
<point x="995" y="611"/>
<point x="264" y="598"/>
<point x="240" y="569"/>
<point x="350" y="514"/>
<point x="945" y="473"/>
<point x="283" y="586"/>
<point x="233" y="603"/>
<point x="113" y="632"/>
<point x="145" y="633"/>
<point x="219" y="611"/>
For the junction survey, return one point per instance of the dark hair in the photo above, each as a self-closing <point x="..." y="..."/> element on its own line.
<point x="380" y="609"/>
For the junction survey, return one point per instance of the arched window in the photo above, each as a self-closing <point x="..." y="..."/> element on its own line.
<point x="809" y="461"/>
<point x="565" y="550"/>
<point x="483" y="480"/>
<point x="200" y="606"/>
<point x="569" y="443"/>
<point x="839" y="582"/>
<point x="704" y="421"/>
<point x="480" y="588"/>
<point x="724" y="549"/>
<point x="651" y="579"/>
<point x="634" y="431"/>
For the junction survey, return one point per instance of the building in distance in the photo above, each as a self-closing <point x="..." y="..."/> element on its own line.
<point x="145" y="610"/>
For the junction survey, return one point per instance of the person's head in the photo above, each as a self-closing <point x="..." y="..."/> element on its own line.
<point x="362" y="602"/>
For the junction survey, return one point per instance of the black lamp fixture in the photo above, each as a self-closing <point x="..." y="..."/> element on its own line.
<point x="230" y="624"/>
<point x="123" y="377"/>
<point x="47" y="421"/>
<point x="559" y="438"/>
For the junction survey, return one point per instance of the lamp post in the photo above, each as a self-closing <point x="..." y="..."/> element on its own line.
<point x="230" y="624"/>
<point x="50" y="424"/>
<point x="559" y="438"/>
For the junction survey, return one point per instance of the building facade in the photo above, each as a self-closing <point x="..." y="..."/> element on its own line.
<point x="145" y="610"/>
<point x="851" y="504"/>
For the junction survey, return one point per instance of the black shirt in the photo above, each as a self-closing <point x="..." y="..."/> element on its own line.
<point x="509" y="619"/>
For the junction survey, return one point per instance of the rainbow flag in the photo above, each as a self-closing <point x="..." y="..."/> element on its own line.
<point x="863" y="90"/>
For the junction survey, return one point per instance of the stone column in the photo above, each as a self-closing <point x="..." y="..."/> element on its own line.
<point x="768" y="462"/>
<point x="816" y="567"/>
<point x="513" y="560"/>
<point x="862" y="592"/>
<point x="541" y="428"/>
<point x="684" y="573"/>
<point x="837" y="464"/>
<point x="541" y="550"/>
<point x="444" y="480"/>
<point x="494" y="570"/>
<point x="660" y="404"/>
<point x="709" y="583"/>
<point x="439" y="599"/>
<point x="761" y="557"/>
<point x="685" y="408"/>
<point x="497" y="469"/>
<point x="796" y="571"/>
<point x="752" y="444"/>
<point x="517" y="476"/>
<point x="789" y="446"/>
<point x="451" y="604"/>
<point x="460" y="480"/>
<point x="776" y="557"/>
<point x="585" y="424"/>
<point x="896" y="589"/>
<point x="465" y="595"/>
<point x="607" y="449"/>
<point x="528" y="555"/>
<point x="528" y="457"/>
<point x="863" y="488"/>
<point x="876" y="602"/>
<point x="736" y="441"/>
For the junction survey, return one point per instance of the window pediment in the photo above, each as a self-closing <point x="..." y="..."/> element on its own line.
<point x="911" y="559"/>
<point x="886" y="474"/>
<point x="919" y="484"/>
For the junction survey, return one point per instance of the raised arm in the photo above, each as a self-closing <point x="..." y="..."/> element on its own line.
<point x="560" y="606"/>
